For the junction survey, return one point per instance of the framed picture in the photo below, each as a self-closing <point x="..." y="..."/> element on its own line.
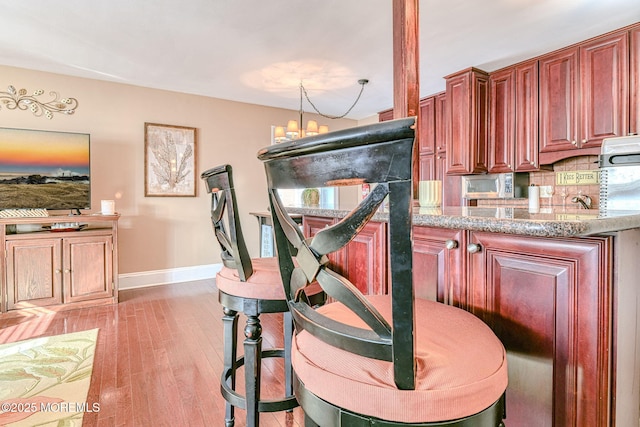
<point x="169" y="160"/>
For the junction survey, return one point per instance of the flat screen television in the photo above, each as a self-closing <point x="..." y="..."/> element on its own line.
<point x="44" y="170"/>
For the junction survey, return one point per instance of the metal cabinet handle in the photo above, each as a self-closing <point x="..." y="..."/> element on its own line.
<point x="584" y="141"/>
<point x="573" y="143"/>
<point x="451" y="244"/>
<point x="473" y="248"/>
<point x="533" y="163"/>
<point x="58" y="270"/>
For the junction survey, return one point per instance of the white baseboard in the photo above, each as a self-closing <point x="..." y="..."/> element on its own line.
<point x="164" y="277"/>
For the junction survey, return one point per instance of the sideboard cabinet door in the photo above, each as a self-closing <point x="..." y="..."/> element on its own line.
<point x="34" y="273"/>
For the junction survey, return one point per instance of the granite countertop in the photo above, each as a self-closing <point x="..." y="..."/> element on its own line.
<point x="548" y="222"/>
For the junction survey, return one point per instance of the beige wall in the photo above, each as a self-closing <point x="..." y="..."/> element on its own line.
<point x="158" y="233"/>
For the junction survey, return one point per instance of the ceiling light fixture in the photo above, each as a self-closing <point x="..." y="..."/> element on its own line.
<point x="294" y="129"/>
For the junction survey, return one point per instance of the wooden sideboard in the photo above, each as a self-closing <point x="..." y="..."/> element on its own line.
<point x="47" y="267"/>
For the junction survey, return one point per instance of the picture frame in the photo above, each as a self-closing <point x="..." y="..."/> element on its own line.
<point x="170" y="160"/>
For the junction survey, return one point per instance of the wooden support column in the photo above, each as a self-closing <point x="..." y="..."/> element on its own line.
<point x="406" y="69"/>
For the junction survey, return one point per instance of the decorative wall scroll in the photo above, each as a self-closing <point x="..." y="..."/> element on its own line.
<point x="169" y="160"/>
<point x="19" y="99"/>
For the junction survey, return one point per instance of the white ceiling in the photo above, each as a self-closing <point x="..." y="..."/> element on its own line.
<point x="257" y="51"/>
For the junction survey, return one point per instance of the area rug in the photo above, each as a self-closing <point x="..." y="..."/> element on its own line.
<point x="44" y="381"/>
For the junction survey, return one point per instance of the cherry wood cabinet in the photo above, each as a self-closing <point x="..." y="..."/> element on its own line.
<point x="58" y="270"/>
<point x="513" y="136"/>
<point x="467" y="121"/>
<point x="548" y="300"/>
<point x="634" y="83"/>
<point x="584" y="96"/>
<point x="385" y="115"/>
<point x="363" y="260"/>
<point x="427" y="126"/>
<point x="438" y="265"/>
<point x="566" y="309"/>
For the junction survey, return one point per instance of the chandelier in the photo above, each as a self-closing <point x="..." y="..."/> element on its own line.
<point x="294" y="129"/>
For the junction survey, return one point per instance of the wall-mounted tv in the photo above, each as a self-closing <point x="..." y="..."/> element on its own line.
<point x="44" y="170"/>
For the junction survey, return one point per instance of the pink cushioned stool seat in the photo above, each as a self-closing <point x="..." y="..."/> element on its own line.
<point x="264" y="283"/>
<point x="461" y="367"/>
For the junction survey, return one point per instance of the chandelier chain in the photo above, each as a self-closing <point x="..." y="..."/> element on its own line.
<point x="328" y="116"/>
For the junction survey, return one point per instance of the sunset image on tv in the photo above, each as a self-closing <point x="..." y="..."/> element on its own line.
<point x="43" y="169"/>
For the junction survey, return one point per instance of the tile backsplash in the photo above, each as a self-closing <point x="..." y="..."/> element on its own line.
<point x="568" y="178"/>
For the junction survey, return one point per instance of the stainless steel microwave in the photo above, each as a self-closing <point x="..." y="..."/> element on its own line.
<point x="495" y="186"/>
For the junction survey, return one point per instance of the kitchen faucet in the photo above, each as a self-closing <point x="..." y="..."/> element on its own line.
<point x="585" y="201"/>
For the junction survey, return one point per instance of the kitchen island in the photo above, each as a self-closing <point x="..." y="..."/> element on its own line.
<point x="561" y="288"/>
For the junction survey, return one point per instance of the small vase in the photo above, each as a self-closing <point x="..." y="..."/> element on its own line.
<point x="311" y="197"/>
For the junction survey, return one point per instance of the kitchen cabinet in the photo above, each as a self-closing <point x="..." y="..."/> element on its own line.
<point x="566" y="309"/>
<point x="548" y="300"/>
<point x="59" y="270"/>
<point x="438" y="267"/>
<point x="363" y="260"/>
<point x="584" y="93"/>
<point x="634" y="84"/>
<point x="385" y="115"/>
<point x="431" y="138"/>
<point x="467" y="121"/>
<point x="513" y="136"/>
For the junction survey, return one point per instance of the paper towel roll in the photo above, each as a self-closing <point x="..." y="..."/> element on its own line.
<point x="534" y="198"/>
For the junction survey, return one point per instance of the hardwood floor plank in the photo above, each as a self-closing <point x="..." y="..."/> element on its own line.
<point x="158" y="356"/>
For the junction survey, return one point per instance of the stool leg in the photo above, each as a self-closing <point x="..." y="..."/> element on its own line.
<point x="230" y="332"/>
<point x="252" y="366"/>
<point x="288" y="369"/>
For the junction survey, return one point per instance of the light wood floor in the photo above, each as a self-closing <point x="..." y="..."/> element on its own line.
<point x="158" y="357"/>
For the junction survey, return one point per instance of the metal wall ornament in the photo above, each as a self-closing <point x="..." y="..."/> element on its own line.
<point x="14" y="99"/>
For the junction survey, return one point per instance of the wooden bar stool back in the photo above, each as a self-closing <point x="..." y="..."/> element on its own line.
<point x="252" y="287"/>
<point x="383" y="360"/>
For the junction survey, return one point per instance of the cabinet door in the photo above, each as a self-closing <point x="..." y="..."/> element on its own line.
<point x="427" y="132"/>
<point x="310" y="226"/>
<point x="467" y="116"/>
<point x="604" y="78"/>
<point x="366" y="259"/>
<point x="526" y="115"/>
<point x="438" y="264"/>
<point x="441" y="129"/>
<point x="385" y="115"/>
<point x="427" y="167"/>
<point x="634" y="125"/>
<point x="503" y="121"/>
<point x="88" y="268"/>
<point x="34" y="275"/>
<point x="548" y="300"/>
<point x="559" y="101"/>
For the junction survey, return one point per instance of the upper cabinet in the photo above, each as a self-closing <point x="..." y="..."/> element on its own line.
<point x="513" y="135"/>
<point x="431" y="137"/>
<point x="634" y="87"/>
<point x="467" y="114"/>
<point x="584" y="96"/>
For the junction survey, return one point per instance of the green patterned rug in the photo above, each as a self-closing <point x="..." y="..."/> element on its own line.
<point x="44" y="381"/>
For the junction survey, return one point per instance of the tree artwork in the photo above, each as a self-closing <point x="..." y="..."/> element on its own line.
<point x="170" y="160"/>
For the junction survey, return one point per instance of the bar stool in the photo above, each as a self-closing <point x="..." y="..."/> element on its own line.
<point x="383" y="360"/>
<point x="252" y="287"/>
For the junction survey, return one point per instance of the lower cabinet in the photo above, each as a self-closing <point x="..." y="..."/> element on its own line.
<point x="45" y="271"/>
<point x="363" y="260"/>
<point x="550" y="301"/>
<point x="438" y="264"/>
